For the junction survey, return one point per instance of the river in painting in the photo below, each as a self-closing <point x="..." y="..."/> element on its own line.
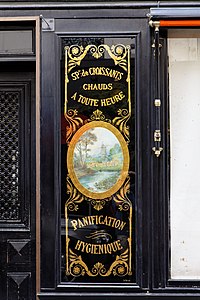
<point x="98" y="160"/>
<point x="100" y="181"/>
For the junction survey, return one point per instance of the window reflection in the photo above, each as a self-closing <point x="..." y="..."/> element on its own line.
<point x="16" y="42"/>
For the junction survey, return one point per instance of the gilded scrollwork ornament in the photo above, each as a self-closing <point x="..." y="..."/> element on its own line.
<point x="99" y="204"/>
<point x="121" y="122"/>
<point x="77" y="53"/>
<point x="74" y="122"/>
<point x="97" y="116"/>
<point x="78" y="267"/>
<point x="121" y="198"/>
<point x="75" y="197"/>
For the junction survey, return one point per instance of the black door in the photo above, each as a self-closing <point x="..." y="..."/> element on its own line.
<point x="17" y="173"/>
<point x="94" y="106"/>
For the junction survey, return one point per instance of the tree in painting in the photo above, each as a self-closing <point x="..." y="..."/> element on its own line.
<point x="82" y="148"/>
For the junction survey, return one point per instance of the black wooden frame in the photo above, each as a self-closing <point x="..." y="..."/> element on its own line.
<point x="18" y="265"/>
<point x="138" y="222"/>
<point x="192" y="287"/>
<point x="23" y="230"/>
<point x="163" y="197"/>
<point x="50" y="283"/>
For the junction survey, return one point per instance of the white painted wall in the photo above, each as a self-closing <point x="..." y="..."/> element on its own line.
<point x="184" y="97"/>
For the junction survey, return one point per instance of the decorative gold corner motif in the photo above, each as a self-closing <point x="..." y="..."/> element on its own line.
<point x="97" y="116"/>
<point x="78" y="267"/>
<point x="74" y="123"/>
<point x="121" y="122"/>
<point x="121" y="197"/>
<point x="75" y="197"/>
<point x="98" y="204"/>
<point x="77" y="53"/>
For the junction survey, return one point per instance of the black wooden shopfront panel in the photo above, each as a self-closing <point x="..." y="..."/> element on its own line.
<point x="17" y="203"/>
<point x="85" y="32"/>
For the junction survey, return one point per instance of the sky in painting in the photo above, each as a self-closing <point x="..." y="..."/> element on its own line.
<point x="104" y="136"/>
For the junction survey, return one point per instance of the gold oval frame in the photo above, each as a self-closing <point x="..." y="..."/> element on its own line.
<point x="70" y="155"/>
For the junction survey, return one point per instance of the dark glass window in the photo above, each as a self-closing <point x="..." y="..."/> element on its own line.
<point x="16" y="42"/>
<point x="98" y="160"/>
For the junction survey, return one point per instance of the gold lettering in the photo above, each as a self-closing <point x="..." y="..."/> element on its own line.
<point x="100" y="218"/>
<point x="110" y="87"/>
<point x="113" y="224"/>
<point x="103" y="102"/>
<point x="88" y="248"/>
<point x="97" y="71"/>
<point x="96" y="220"/>
<point x="106" y="221"/>
<point x="119" y="246"/>
<point x="84" y="245"/>
<point x="112" y="100"/>
<point x="89" y="218"/>
<point x="98" y="249"/>
<point x="92" y="249"/>
<point x="84" y="73"/>
<point x="108" y="101"/>
<point x="74" y="224"/>
<point x="93" y="219"/>
<point x="95" y="102"/>
<point x="74" y="96"/>
<point x="102" y="71"/>
<point x="75" y="75"/>
<point x="80" y="224"/>
<point x="121" y="96"/>
<point x="78" y="245"/>
<point x="97" y="87"/>
<point x="111" y="219"/>
<point x="117" y="223"/>
<point x="95" y="249"/>
<point x="91" y="71"/>
<point x="88" y="101"/>
<point x="121" y="227"/>
<point x="109" y="250"/>
<point x="85" y="86"/>
<point x="85" y="221"/>
<point x="114" y="247"/>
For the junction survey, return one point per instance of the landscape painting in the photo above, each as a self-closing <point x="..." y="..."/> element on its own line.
<point x="98" y="159"/>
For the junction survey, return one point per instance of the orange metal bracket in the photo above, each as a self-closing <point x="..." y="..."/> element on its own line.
<point x="179" y="23"/>
<point x="175" y="23"/>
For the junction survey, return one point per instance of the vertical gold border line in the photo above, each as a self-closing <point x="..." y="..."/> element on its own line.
<point x="66" y="81"/>
<point x="129" y="81"/>
<point x="131" y="210"/>
<point x="37" y="41"/>
<point x="130" y="240"/>
<point x="66" y="214"/>
<point x="67" y="239"/>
